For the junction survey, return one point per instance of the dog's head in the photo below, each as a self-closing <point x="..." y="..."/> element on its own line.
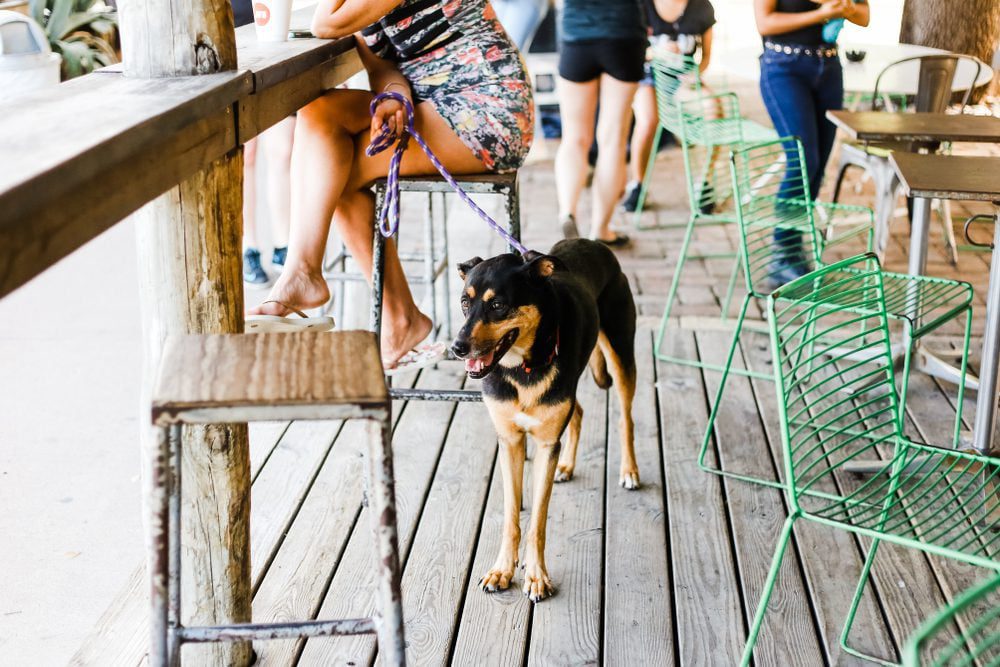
<point x="503" y="300"/>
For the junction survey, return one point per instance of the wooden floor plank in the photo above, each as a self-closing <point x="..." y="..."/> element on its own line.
<point x="757" y="514"/>
<point x="294" y="584"/>
<point x="437" y="570"/>
<point x="637" y="596"/>
<point x="502" y="617"/>
<point x="120" y="637"/>
<point x="417" y="443"/>
<point x="566" y="629"/>
<point x="708" y="615"/>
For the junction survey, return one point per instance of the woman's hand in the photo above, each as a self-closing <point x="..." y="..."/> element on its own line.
<point x="388" y="112"/>
<point x="835" y="9"/>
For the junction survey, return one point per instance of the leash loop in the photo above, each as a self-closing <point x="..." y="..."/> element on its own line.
<point x="388" y="217"/>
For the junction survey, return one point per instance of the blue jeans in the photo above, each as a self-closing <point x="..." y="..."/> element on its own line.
<point x="798" y="90"/>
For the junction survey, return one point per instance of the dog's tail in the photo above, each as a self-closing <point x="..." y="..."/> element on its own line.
<point x="599" y="368"/>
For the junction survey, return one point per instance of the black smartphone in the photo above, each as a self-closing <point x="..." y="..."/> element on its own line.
<point x="299" y="34"/>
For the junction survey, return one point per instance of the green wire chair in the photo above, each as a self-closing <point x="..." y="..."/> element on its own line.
<point x="947" y="640"/>
<point x="707" y="126"/>
<point x="766" y="204"/>
<point x="837" y="403"/>
<point x="672" y="73"/>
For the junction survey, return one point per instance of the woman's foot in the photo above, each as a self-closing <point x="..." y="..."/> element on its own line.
<point x="294" y="290"/>
<point x="400" y="338"/>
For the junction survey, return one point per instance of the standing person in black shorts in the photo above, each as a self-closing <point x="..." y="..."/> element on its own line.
<point x="678" y="26"/>
<point x="601" y="58"/>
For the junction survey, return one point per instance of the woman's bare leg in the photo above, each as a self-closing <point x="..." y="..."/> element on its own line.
<point x="331" y="173"/>
<point x="277" y="145"/>
<point x="403" y="325"/>
<point x="250" y="194"/>
<point x="612" y="135"/>
<point x="577" y="106"/>
<point x="646" y="120"/>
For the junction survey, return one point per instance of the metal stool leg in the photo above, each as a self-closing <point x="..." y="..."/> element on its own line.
<point x="446" y="258"/>
<point x="382" y="511"/>
<point x="341" y="293"/>
<point x="378" y="265"/>
<point x="158" y="555"/>
<point x="174" y="542"/>
<point x="514" y="213"/>
<point x="429" y="264"/>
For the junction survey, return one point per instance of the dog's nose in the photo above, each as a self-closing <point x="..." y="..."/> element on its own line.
<point x="461" y="348"/>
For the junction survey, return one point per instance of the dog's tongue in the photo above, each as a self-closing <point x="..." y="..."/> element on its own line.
<point x="478" y="364"/>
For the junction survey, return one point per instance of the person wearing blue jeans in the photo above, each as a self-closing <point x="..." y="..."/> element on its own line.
<point x="800" y="80"/>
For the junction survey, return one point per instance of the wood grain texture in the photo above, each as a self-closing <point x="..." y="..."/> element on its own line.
<point x="168" y="38"/>
<point x="638" y="604"/>
<point x="287" y="369"/>
<point x="417" y="442"/>
<point x="566" y="629"/>
<point x="949" y="177"/>
<point x="709" y="620"/>
<point x="437" y="570"/>
<point x="272" y="63"/>
<point x="881" y="126"/>
<point x="756" y="516"/>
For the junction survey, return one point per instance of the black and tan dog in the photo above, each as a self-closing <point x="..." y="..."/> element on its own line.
<point x="532" y="325"/>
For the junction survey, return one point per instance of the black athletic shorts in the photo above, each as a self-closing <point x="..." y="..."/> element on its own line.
<point x="586" y="60"/>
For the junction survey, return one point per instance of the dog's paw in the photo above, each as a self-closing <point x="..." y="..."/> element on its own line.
<point x="629" y="480"/>
<point x="563" y="473"/>
<point x="496" y="580"/>
<point x="537" y="585"/>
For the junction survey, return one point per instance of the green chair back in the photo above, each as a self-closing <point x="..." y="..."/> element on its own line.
<point x="771" y="192"/>
<point x="966" y="632"/>
<point x="671" y="72"/>
<point x="838" y="405"/>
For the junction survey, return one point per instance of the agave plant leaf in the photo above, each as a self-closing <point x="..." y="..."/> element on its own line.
<point x="78" y="20"/>
<point x="60" y="11"/>
<point x="77" y="58"/>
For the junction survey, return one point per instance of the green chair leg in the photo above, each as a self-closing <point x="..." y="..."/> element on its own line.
<point x="855" y="603"/>
<point x="769" y="583"/>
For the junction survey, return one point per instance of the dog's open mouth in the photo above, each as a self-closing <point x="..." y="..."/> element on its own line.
<point x="481" y="366"/>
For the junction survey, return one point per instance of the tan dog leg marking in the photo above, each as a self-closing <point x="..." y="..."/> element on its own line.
<point x="567" y="457"/>
<point x="624" y="381"/>
<point x="552" y="420"/>
<point x="511" y="443"/>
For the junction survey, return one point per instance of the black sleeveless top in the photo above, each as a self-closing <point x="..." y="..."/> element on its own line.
<point x="809" y="36"/>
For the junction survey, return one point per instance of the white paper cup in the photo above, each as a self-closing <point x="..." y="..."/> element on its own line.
<point x="272" y="19"/>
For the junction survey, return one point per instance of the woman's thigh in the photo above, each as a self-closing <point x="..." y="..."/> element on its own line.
<point x="616" y="104"/>
<point x="449" y="149"/>
<point x="644" y="106"/>
<point x="577" y="108"/>
<point x="338" y="109"/>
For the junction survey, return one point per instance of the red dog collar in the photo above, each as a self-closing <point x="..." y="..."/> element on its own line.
<point x="552" y="356"/>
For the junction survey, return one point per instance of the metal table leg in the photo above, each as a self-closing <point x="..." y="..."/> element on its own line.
<point x="986" y="402"/>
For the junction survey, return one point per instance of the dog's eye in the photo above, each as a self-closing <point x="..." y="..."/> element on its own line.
<point x="497" y="306"/>
<point x="465" y="304"/>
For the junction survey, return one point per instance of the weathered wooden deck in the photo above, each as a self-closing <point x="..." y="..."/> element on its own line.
<point x="665" y="575"/>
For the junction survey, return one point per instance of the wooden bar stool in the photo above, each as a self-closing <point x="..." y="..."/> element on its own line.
<point x="227" y="378"/>
<point x="505" y="185"/>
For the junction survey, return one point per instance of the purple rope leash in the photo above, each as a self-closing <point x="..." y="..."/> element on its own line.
<point x="388" y="217"/>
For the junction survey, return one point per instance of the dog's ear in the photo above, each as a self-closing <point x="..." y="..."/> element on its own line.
<point x="465" y="267"/>
<point x="541" y="266"/>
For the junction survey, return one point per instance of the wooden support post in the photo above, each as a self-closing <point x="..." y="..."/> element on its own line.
<point x="189" y="243"/>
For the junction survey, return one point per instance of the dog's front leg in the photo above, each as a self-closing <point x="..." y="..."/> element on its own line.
<point x="537" y="585"/>
<point x="511" y="452"/>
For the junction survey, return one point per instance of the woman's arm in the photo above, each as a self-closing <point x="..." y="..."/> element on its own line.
<point x="339" y="18"/>
<point x="858" y="13"/>
<point x="384" y="76"/>
<point x="706" y="50"/>
<point x="772" y="22"/>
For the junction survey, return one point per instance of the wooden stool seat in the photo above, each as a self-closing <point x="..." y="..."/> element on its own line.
<point x="225" y="378"/>
<point x="235" y="378"/>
